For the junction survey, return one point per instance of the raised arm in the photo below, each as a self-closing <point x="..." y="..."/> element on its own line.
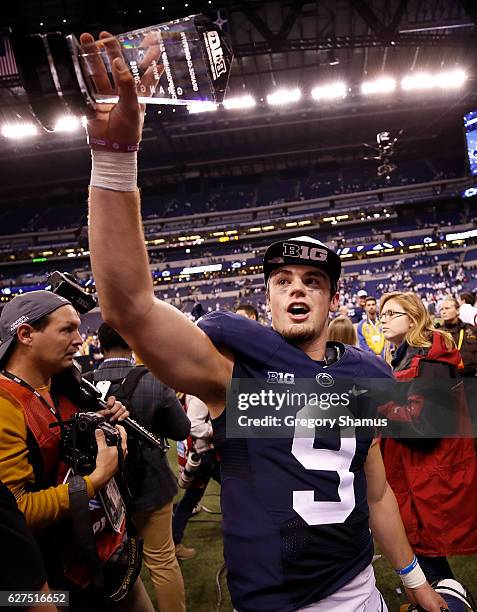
<point x="171" y="346"/>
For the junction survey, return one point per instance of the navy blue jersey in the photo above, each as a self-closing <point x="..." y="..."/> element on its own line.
<point x="295" y="513"/>
<point x="356" y="313"/>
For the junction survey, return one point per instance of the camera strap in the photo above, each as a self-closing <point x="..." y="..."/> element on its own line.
<point x="53" y="409"/>
<point x="79" y="508"/>
<point x="134" y="543"/>
<point x="129" y="569"/>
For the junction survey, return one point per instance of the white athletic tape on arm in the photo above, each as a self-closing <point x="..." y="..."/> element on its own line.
<point x="114" y="171"/>
<point x="415" y="578"/>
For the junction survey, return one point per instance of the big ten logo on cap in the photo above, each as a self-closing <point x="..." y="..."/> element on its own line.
<point x="303" y="251"/>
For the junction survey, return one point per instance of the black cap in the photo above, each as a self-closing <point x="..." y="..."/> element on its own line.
<point x="305" y="251"/>
<point x="26" y="308"/>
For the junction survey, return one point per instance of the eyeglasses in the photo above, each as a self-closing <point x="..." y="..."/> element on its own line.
<point x="392" y="314"/>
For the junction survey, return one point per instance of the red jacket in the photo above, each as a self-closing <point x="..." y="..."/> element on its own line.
<point x="436" y="489"/>
<point x="53" y="471"/>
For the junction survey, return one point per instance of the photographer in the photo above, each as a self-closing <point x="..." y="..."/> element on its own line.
<point x="39" y="333"/>
<point x="199" y="443"/>
<point x="154" y="406"/>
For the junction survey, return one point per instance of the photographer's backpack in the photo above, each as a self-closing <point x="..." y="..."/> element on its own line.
<point x="123" y="389"/>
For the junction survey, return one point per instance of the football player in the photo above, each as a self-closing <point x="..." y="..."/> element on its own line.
<point x="296" y="511"/>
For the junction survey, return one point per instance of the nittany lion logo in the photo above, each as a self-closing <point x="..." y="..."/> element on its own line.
<point x="324" y="379"/>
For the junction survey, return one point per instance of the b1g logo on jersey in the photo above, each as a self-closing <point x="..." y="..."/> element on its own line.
<point x="302" y="251"/>
<point x="282" y="378"/>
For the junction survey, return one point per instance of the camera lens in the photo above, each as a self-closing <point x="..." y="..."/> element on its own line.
<point x="83" y="426"/>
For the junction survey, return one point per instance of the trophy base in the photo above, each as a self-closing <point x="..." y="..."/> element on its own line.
<point x="50" y="78"/>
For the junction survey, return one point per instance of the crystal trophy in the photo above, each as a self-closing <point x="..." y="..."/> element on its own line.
<point x="180" y="62"/>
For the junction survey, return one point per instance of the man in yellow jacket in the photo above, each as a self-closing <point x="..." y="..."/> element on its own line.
<point x="369" y="329"/>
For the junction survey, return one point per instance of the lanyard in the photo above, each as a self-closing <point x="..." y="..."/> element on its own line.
<point x="375" y="325"/>
<point x="461" y="338"/>
<point x="24" y="384"/>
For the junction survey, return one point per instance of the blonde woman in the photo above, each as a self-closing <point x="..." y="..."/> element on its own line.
<point x="434" y="478"/>
<point x="341" y="329"/>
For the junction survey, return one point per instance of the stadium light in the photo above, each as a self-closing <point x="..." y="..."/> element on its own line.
<point x="201" y="107"/>
<point x="425" y="80"/>
<point x="331" y="91"/>
<point x="452" y="78"/>
<point x="461" y="235"/>
<point x="239" y="103"/>
<point x="420" y="80"/>
<point x="19" y="130"/>
<point x="283" y="96"/>
<point x="67" y="123"/>
<point x="381" y="85"/>
<point x="201" y="269"/>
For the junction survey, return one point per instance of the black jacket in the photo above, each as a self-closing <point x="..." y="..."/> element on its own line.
<point x="155" y="406"/>
<point x="465" y="338"/>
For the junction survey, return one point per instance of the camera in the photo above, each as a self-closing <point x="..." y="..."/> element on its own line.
<point x="78" y="442"/>
<point x="188" y="474"/>
<point x="64" y="284"/>
<point x="87" y="398"/>
<point x="383" y="139"/>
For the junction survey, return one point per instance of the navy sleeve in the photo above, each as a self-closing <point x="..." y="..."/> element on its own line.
<point x="376" y="376"/>
<point x="211" y="324"/>
<point x="243" y="337"/>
